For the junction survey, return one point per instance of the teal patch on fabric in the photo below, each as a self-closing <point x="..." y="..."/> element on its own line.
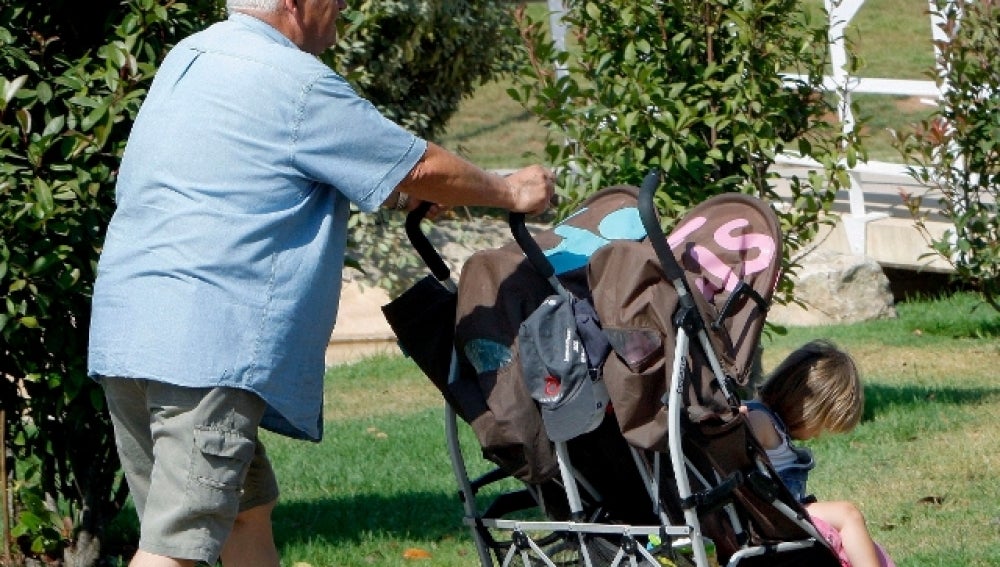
<point x="623" y="224"/>
<point x="486" y="355"/>
<point x="578" y="244"/>
<point x="575" y="248"/>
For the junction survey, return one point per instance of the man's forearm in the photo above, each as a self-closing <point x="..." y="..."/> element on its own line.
<point x="445" y="178"/>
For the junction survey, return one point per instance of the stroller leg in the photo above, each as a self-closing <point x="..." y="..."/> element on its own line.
<point x="522" y="546"/>
<point x="572" y="495"/>
<point x="468" y="495"/>
<point x="677" y="459"/>
<point x="632" y="550"/>
<point x="651" y="480"/>
<point x="569" y="482"/>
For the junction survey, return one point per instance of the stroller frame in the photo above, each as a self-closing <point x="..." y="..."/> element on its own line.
<point x="579" y="531"/>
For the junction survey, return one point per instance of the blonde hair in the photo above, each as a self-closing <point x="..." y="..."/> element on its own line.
<point x="816" y="388"/>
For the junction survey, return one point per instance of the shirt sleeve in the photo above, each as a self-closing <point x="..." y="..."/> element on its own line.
<point x="343" y="141"/>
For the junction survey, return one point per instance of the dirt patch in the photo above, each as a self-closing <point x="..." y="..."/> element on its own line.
<point x="912" y="105"/>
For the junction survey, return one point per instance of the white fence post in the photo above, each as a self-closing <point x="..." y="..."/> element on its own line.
<point x="558" y="30"/>
<point x="840" y="13"/>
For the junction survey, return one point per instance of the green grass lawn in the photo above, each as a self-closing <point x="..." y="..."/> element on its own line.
<point x="923" y="465"/>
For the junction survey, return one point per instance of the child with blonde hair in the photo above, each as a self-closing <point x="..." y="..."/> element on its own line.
<point x="816" y="389"/>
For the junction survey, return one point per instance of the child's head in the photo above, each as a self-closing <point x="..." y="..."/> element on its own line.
<point x="817" y="388"/>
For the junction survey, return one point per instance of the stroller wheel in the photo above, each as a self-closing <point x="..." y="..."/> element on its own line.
<point x="568" y="552"/>
<point x="602" y="551"/>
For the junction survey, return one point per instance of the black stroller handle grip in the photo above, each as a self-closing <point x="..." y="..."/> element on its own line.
<point x="533" y="251"/>
<point x="423" y="245"/>
<point x="651" y="222"/>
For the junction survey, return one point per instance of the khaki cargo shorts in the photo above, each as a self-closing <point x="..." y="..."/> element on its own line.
<point x="192" y="461"/>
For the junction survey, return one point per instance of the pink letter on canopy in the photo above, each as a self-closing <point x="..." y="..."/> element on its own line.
<point x="680" y="234"/>
<point x="762" y="242"/>
<point x="709" y="262"/>
<point x="723" y="275"/>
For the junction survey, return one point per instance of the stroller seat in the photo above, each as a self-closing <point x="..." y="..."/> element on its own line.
<point x="671" y="472"/>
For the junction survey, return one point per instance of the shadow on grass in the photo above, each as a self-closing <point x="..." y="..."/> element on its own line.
<point x="415" y="515"/>
<point x="423" y="516"/>
<point x="880" y="398"/>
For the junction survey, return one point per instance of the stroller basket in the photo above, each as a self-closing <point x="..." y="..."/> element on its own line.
<point x="635" y="455"/>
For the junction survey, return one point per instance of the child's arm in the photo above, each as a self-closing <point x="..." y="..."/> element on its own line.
<point x="763" y="429"/>
<point x="850" y="523"/>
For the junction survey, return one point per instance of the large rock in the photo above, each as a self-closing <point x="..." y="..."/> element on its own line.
<point x="837" y="288"/>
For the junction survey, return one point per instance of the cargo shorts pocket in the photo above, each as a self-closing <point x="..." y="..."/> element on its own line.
<point x="219" y="465"/>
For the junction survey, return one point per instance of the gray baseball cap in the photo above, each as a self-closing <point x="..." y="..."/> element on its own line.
<point x="560" y="362"/>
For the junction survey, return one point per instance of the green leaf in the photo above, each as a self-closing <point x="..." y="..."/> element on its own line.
<point x="54" y="126"/>
<point x="95" y="115"/>
<point x="629" y="54"/>
<point x="43" y="198"/>
<point x="44" y="93"/>
<point x="9" y="88"/>
<point x="42" y="263"/>
<point x="24" y="120"/>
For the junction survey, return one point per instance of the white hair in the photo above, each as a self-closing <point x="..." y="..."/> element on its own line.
<point x="267" y="6"/>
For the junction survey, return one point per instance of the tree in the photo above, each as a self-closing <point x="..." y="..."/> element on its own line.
<point x="954" y="153"/>
<point x="708" y="91"/>
<point x="416" y="61"/>
<point x="72" y="77"/>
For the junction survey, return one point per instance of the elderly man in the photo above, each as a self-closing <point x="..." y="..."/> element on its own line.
<point x="220" y="277"/>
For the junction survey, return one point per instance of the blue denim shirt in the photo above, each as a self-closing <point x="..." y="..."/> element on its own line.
<point x="222" y="263"/>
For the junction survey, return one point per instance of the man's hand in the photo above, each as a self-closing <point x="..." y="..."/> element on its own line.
<point x="532" y="189"/>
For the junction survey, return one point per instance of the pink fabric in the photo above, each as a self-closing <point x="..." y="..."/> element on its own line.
<point x="832" y="536"/>
<point x="883" y="557"/>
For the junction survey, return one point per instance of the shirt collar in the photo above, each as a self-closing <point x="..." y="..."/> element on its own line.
<point x="258" y="25"/>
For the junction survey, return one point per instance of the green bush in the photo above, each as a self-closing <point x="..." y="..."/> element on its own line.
<point x="696" y="88"/>
<point x="954" y="152"/>
<point x="416" y="61"/>
<point x="72" y="77"/>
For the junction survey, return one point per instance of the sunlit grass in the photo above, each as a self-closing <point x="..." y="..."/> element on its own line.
<point x="922" y="464"/>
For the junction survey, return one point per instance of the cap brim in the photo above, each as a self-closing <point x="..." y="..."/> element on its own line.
<point x="579" y="412"/>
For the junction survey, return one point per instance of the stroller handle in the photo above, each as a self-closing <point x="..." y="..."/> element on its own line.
<point x="423" y="245"/>
<point x="533" y="251"/>
<point x="651" y="222"/>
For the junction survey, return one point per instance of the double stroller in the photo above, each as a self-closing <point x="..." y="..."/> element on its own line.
<point x="600" y="364"/>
